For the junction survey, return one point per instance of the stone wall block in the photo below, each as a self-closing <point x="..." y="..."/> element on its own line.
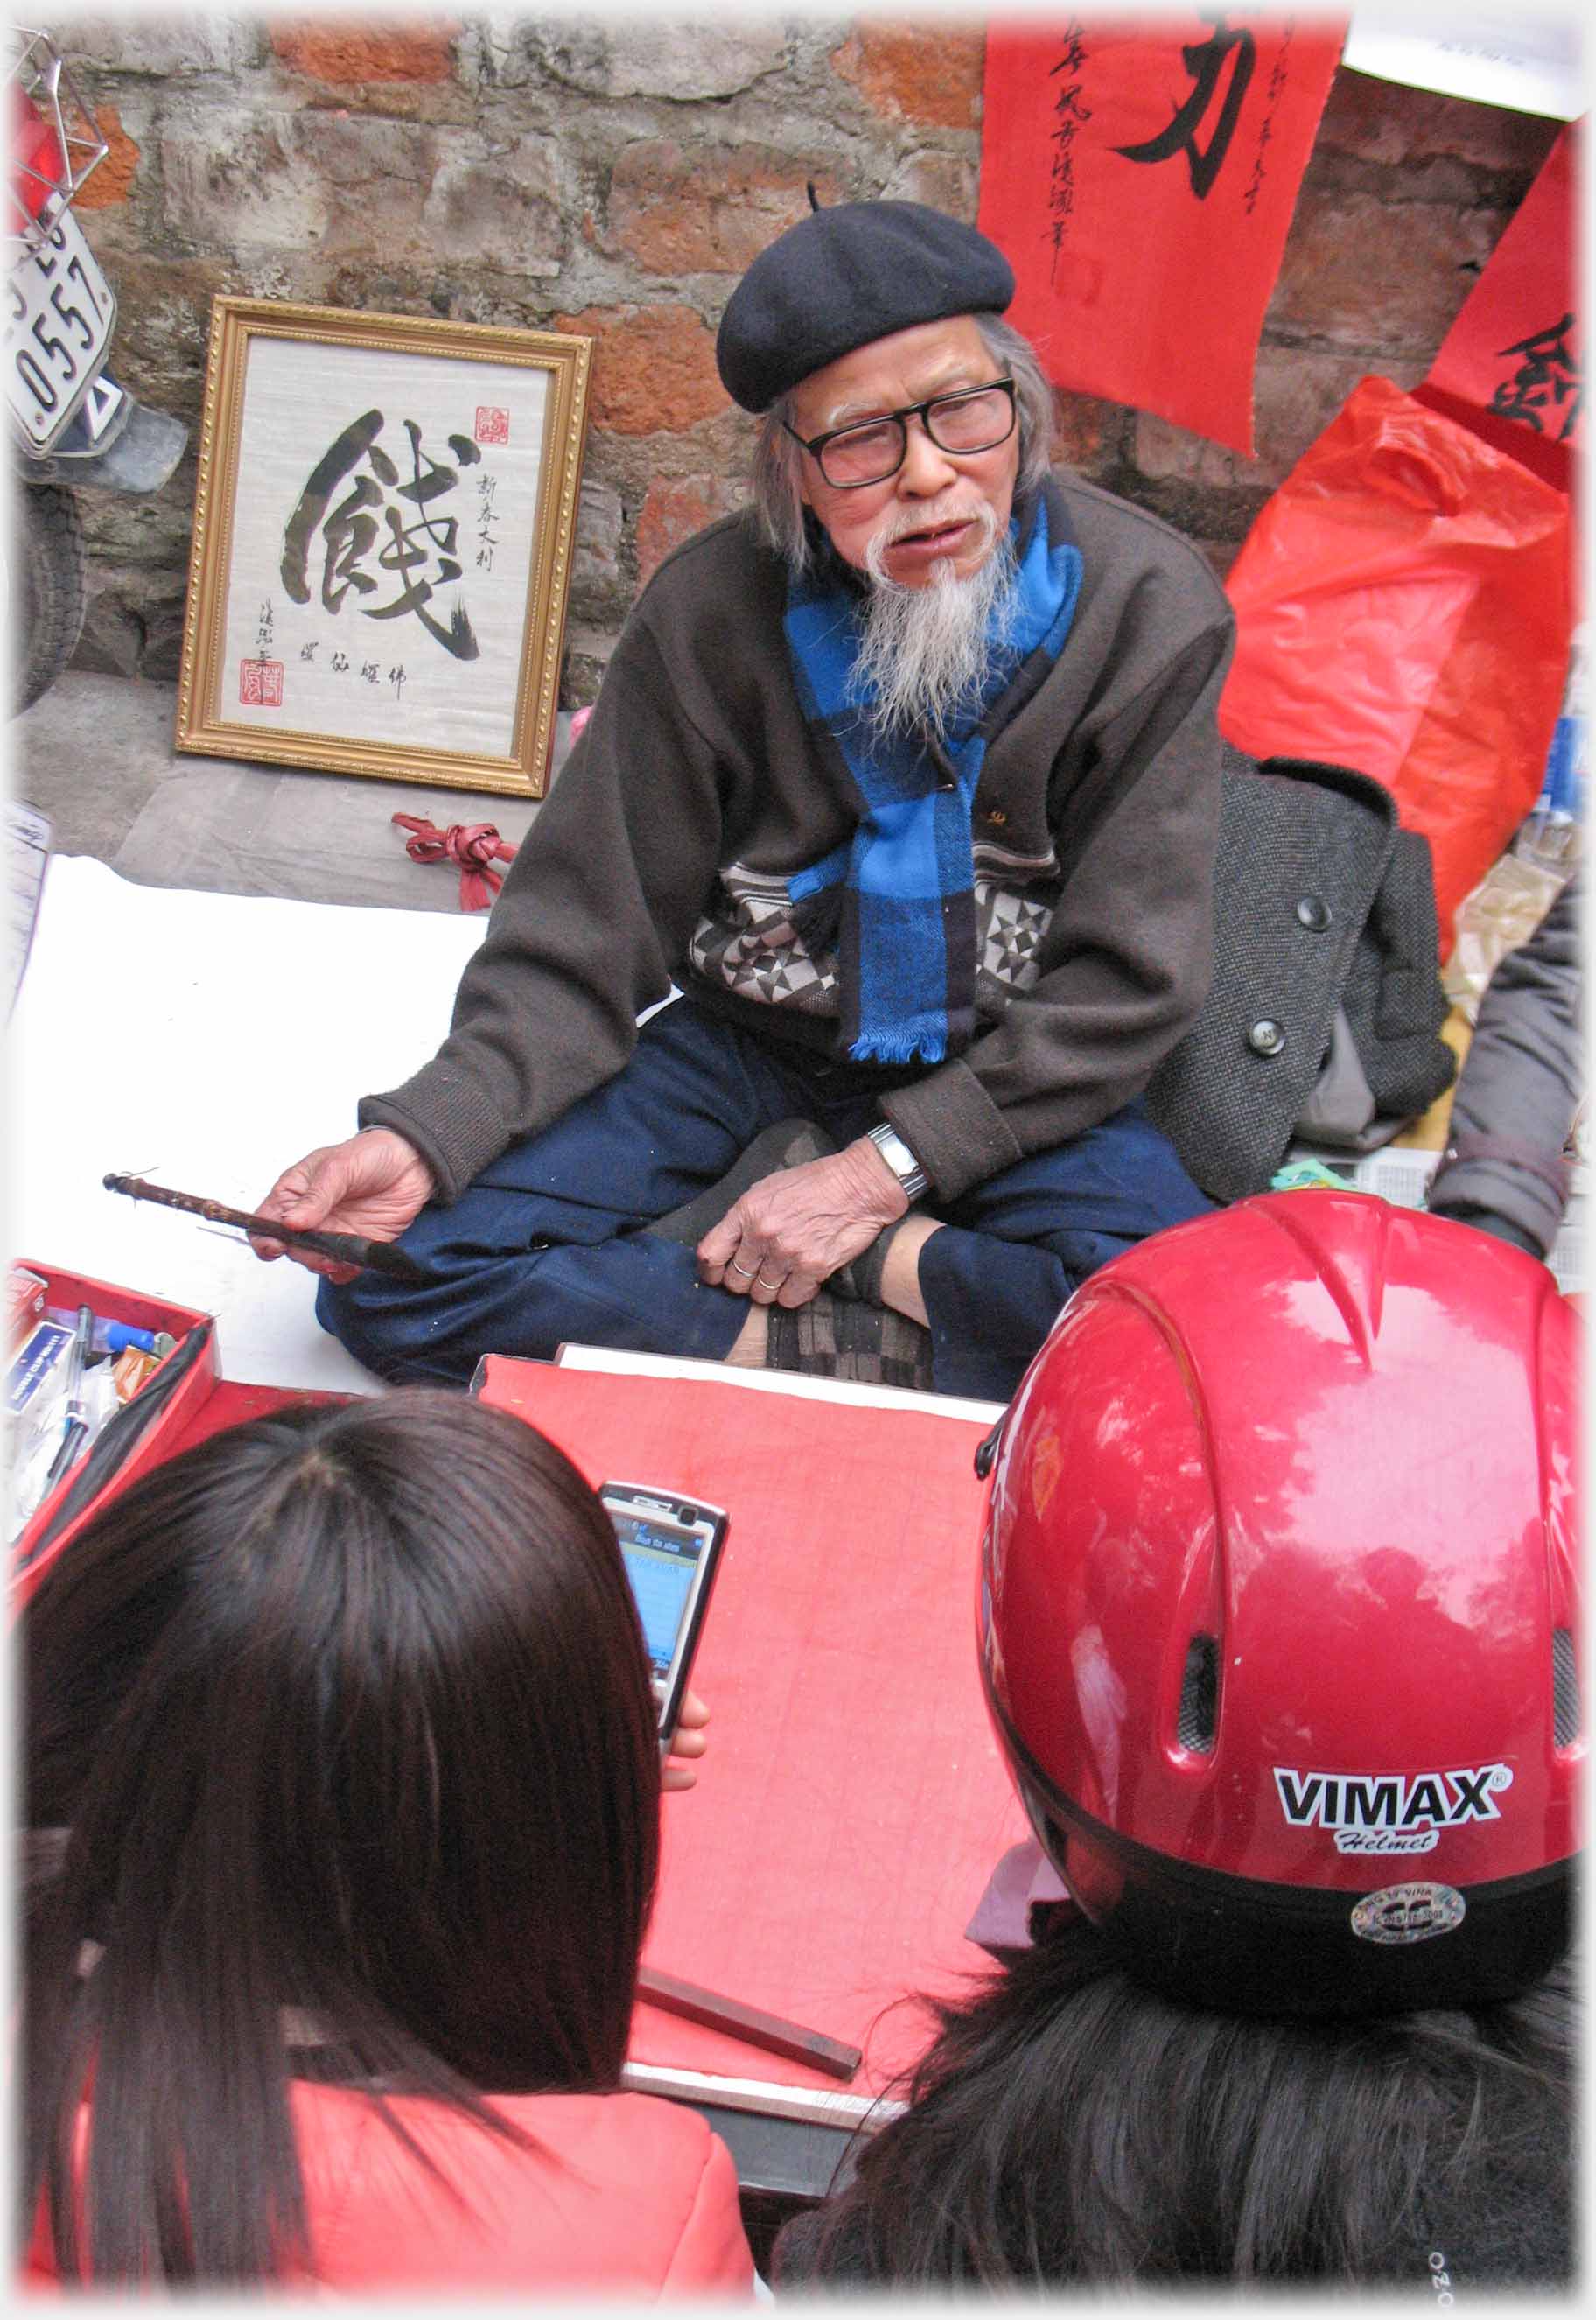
<point x="1088" y="433"/>
<point x="930" y="73"/>
<point x="164" y="48"/>
<point x="112" y="180"/>
<point x="653" y="367"/>
<point x="229" y="183"/>
<point x="163" y="317"/>
<point x="586" y="657"/>
<point x="662" y="59"/>
<point x="163" y="614"/>
<point x="721" y="445"/>
<point x="355" y="153"/>
<point x="674" y="510"/>
<point x="263" y="181"/>
<point x="597" y="581"/>
<point x="140" y="534"/>
<point x="1297" y="394"/>
<point x="113" y="638"/>
<point x="1378" y="273"/>
<point x="943" y="181"/>
<point x="1382" y="121"/>
<point x="497" y="207"/>
<point x="706" y="210"/>
<point x="1165" y="453"/>
<point x="350" y="53"/>
<point x="1215" y="518"/>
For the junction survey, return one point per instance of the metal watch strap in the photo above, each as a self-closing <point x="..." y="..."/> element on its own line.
<point x="900" y="1159"/>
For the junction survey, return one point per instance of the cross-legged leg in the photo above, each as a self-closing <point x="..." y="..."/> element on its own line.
<point x="1012" y="1250"/>
<point x="547" y="1244"/>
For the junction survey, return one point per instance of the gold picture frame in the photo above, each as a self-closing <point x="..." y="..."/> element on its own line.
<point x="383" y="528"/>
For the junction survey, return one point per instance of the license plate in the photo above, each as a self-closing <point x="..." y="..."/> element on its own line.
<point x="57" y="331"/>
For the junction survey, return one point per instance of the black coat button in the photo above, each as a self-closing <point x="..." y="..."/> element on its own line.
<point x="1265" y="1038"/>
<point x="1314" y="913"/>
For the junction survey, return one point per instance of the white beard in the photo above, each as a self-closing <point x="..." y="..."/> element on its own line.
<point x="927" y="651"/>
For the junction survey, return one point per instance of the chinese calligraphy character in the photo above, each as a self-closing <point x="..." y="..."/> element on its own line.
<point x="1205" y="63"/>
<point x="489" y="538"/>
<point x="263" y="630"/>
<point x="355" y="526"/>
<point x="1071" y="117"/>
<point x="307" y="652"/>
<point x="396" y="679"/>
<point x="368" y="671"/>
<point x="341" y="661"/>
<point x="1549" y="375"/>
<point x="1278" y="80"/>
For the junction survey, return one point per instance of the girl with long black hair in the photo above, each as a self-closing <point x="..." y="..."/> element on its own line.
<point x="342" y="1785"/>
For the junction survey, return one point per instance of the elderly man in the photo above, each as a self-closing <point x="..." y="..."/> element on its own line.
<point x="908" y="781"/>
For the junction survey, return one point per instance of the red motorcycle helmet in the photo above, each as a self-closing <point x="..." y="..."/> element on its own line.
<point x="1279" y="1608"/>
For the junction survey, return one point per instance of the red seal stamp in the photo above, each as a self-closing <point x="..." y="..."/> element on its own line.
<point x="492" y="425"/>
<point x="260" y="684"/>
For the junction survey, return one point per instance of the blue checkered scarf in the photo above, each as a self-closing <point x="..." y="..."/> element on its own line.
<point x="897" y="900"/>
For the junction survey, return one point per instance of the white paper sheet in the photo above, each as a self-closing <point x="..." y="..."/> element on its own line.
<point x="206" y="1040"/>
<point x="1529" y="61"/>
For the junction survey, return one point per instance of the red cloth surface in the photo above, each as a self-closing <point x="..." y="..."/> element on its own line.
<point x="853" y="1803"/>
<point x="1140" y="178"/>
<point x="1511" y="365"/>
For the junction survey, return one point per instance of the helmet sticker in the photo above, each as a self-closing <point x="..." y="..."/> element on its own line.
<point x="1390" y="1812"/>
<point x="1408" y="1912"/>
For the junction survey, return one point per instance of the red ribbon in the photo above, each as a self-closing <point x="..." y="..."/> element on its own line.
<point x="473" y="845"/>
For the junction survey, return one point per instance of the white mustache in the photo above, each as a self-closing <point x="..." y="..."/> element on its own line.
<point x="898" y="524"/>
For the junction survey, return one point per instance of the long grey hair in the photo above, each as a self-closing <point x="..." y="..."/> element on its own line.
<point x="778" y="470"/>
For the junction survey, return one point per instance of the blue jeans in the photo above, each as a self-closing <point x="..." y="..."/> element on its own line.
<point x="547" y="1244"/>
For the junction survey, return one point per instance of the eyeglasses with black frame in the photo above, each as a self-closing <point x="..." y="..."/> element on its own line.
<point x="975" y="419"/>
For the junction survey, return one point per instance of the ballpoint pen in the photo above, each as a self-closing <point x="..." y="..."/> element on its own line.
<point x="77" y="1426"/>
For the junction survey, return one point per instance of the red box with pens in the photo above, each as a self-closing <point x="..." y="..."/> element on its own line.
<point x="183" y="1400"/>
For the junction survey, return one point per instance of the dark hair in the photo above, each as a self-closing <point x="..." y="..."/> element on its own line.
<point x="343" y="1711"/>
<point x="1068" y="2124"/>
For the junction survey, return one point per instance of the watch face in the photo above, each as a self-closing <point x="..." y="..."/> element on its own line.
<point x="899" y="1158"/>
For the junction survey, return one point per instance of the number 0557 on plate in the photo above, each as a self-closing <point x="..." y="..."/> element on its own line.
<point x="57" y="326"/>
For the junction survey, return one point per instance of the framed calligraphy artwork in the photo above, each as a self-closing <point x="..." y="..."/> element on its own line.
<point x="383" y="537"/>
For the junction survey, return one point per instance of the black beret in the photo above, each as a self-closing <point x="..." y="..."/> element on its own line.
<point x="843" y="276"/>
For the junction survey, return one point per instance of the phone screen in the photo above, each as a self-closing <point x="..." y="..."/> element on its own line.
<point x="661" y="1562"/>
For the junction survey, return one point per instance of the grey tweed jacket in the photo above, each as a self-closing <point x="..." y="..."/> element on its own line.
<point x="1324" y="1011"/>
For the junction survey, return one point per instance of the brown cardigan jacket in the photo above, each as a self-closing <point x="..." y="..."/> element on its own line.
<point x="697" y="756"/>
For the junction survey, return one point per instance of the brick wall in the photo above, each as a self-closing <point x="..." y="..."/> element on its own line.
<point x="558" y="173"/>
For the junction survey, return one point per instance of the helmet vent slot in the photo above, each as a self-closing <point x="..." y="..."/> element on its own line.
<point x="1566" y="1690"/>
<point x="1199" y="1690"/>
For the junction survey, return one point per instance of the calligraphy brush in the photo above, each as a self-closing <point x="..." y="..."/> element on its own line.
<point x="346" y="1248"/>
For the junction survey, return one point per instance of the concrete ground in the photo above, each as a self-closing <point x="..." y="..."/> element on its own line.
<point x="96" y="757"/>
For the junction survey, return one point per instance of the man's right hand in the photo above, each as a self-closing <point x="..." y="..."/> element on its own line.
<point x="372" y="1184"/>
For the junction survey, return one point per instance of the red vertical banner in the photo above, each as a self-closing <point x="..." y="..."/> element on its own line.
<point x="1140" y="178"/>
<point x="1511" y="365"/>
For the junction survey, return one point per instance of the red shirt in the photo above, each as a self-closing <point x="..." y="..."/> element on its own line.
<point x="627" y="2196"/>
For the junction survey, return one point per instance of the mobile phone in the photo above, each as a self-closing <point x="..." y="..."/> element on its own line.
<point x="671" y="1546"/>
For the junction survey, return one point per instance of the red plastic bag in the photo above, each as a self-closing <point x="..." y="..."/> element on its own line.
<point x="1404" y="605"/>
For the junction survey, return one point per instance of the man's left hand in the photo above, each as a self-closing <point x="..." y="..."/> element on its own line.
<point x="790" y="1231"/>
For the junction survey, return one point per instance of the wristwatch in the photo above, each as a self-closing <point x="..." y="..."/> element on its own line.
<point x="899" y="1158"/>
